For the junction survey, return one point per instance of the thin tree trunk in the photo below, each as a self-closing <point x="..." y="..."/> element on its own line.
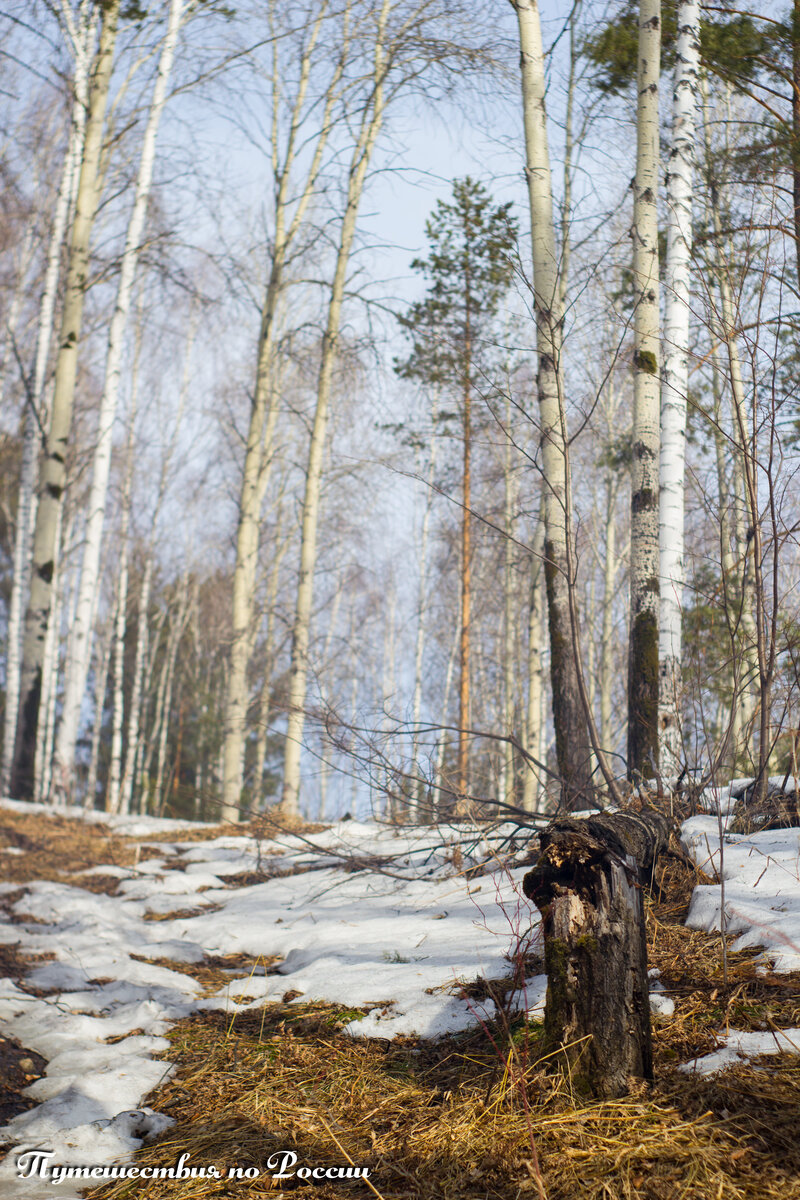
<point x="745" y="515"/>
<point x="533" y="723"/>
<point x="114" y="790"/>
<point x="176" y="632"/>
<point x="134" y="712"/>
<point x="675" y="380"/>
<point x="464" y="715"/>
<point x="263" y="412"/>
<point x="54" y="465"/>
<point x="265" y="702"/>
<point x="44" y="744"/>
<point x="644" y="616"/>
<point x="507" y="791"/>
<point x="422" y="603"/>
<point x="81" y="634"/>
<point x="438" y="781"/>
<point x="101" y="684"/>
<point x="298" y="670"/>
<point x="607" y="631"/>
<point x="573" y="745"/>
<point x="148" y="748"/>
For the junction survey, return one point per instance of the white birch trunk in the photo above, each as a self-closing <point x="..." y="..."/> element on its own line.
<point x="645" y="567"/>
<point x="298" y="670"/>
<point x="607" y="626"/>
<point x="570" y="714"/>
<point x="508" y="656"/>
<point x="37" y="420"/>
<point x="134" y="712"/>
<point x="263" y="412"/>
<point x="422" y="604"/>
<point x="80" y="641"/>
<point x="445" y="793"/>
<point x="54" y="464"/>
<point x="265" y="702"/>
<point x="675" y="380"/>
<point x="101" y="683"/>
<point x="114" y="789"/>
<point x="533" y="720"/>
<point x="50" y="673"/>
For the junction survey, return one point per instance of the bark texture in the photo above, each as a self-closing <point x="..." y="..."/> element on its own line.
<point x="54" y="463"/>
<point x="587" y="886"/>
<point x="675" y="379"/>
<point x="643" y="655"/>
<point x="573" y="745"/>
<point x="26" y="510"/>
<point x="80" y="642"/>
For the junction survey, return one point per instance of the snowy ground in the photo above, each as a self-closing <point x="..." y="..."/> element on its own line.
<point x="394" y="935"/>
<point x="359" y="915"/>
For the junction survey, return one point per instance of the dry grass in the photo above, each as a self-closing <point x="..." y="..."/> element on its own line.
<point x="468" y="1118"/>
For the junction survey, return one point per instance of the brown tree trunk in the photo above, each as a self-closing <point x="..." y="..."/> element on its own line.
<point x="587" y="886"/>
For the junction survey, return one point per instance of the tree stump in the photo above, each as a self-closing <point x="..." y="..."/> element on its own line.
<point x="587" y="885"/>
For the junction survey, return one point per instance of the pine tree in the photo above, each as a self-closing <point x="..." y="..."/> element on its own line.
<point x="469" y="269"/>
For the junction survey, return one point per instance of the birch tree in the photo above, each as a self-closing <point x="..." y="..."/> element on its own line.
<point x="293" y="196"/>
<point x="573" y="744"/>
<point x="58" y="435"/>
<point x="79" y="652"/>
<point x="643" y="673"/>
<point x="370" y="124"/>
<point x="81" y="36"/>
<point x="675" y="378"/>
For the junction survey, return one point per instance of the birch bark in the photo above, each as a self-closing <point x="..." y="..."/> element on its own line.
<point x="675" y="379"/>
<point x="644" y="606"/>
<point x="533" y="721"/>
<point x="81" y="635"/>
<point x="371" y="121"/>
<point x="35" y="420"/>
<point x="573" y="745"/>
<point x="263" y="413"/>
<point x="54" y="464"/>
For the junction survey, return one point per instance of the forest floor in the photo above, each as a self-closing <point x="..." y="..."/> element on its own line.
<point x="469" y="1114"/>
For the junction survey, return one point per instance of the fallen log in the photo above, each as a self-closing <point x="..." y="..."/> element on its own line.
<point x="587" y="885"/>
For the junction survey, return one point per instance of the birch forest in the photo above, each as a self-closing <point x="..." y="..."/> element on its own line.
<point x="398" y="401"/>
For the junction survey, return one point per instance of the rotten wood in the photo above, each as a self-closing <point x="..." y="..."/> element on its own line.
<point x="588" y="886"/>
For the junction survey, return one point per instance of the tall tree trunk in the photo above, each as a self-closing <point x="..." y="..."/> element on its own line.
<point x="36" y="417"/>
<point x="264" y="411"/>
<point x="114" y="789"/>
<point x="573" y="745"/>
<point x="102" y="664"/>
<point x="741" y="606"/>
<point x="531" y="791"/>
<point x="607" y="628"/>
<point x="371" y="121"/>
<point x="81" y="635"/>
<point x="44" y="744"/>
<point x="644" y="615"/>
<point x="442" y="806"/>
<point x="675" y="379"/>
<point x="54" y="465"/>
<point x="507" y="791"/>
<point x="464" y="720"/>
<point x="134" y="712"/>
<point x="265" y="702"/>
<point x="422" y="604"/>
